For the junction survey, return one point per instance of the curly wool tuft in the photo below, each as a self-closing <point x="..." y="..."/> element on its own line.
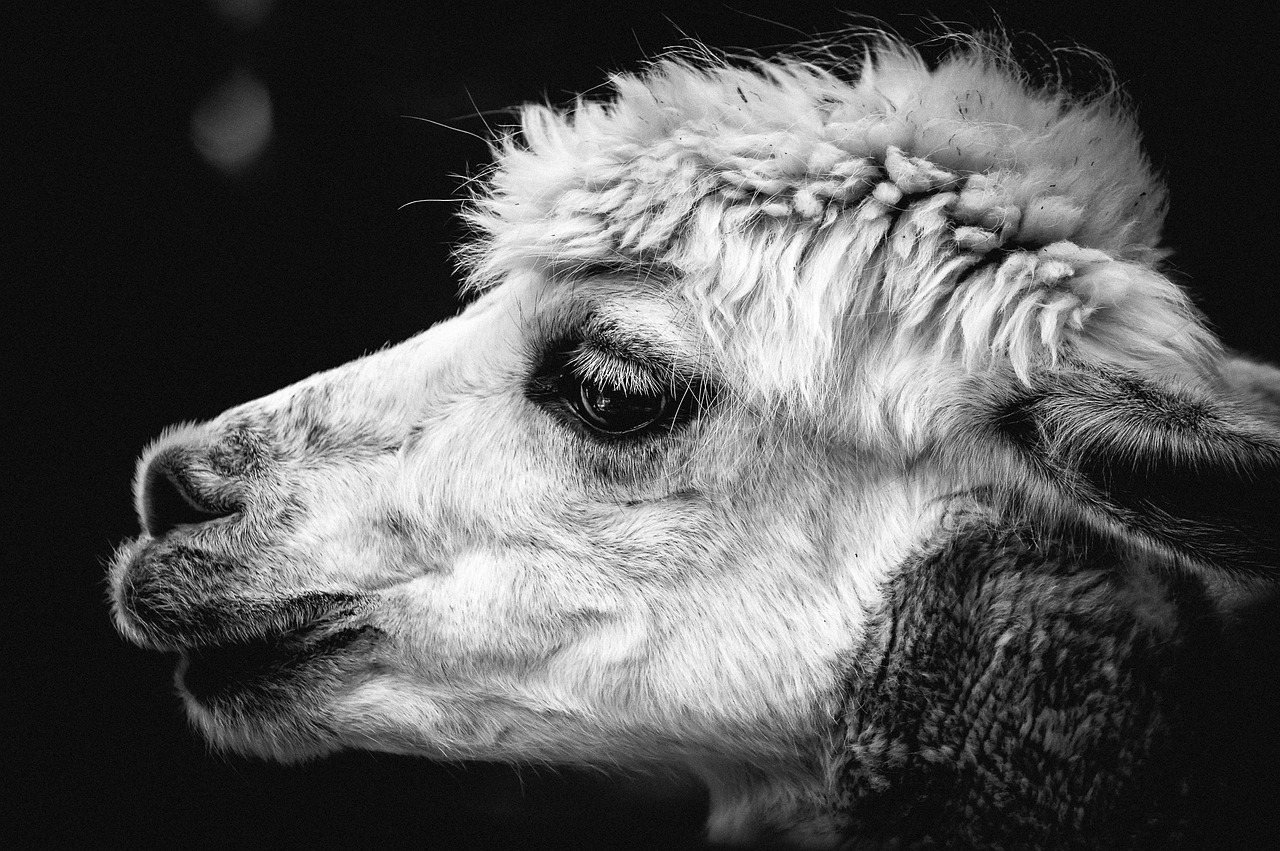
<point x="813" y="216"/>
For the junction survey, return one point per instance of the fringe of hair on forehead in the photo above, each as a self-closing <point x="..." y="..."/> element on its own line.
<point x="955" y="212"/>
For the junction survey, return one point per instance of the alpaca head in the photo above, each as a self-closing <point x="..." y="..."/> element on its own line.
<point x="746" y="337"/>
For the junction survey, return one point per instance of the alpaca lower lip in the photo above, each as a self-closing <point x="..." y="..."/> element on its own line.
<point x="267" y="665"/>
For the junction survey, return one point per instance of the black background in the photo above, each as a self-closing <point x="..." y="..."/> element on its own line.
<point x="143" y="287"/>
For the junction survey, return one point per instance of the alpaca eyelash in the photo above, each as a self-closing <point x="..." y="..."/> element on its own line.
<point x="592" y="364"/>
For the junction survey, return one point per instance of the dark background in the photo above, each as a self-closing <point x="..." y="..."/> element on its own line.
<point x="143" y="286"/>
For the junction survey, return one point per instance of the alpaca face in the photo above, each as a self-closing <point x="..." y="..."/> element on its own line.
<point x="749" y="341"/>
<point x="547" y="529"/>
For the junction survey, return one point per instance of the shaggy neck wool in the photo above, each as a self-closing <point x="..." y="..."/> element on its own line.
<point x="1016" y="695"/>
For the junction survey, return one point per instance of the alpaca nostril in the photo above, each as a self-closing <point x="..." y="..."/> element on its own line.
<point x="167" y="502"/>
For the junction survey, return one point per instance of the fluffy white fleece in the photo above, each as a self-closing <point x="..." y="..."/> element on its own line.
<point x="982" y="218"/>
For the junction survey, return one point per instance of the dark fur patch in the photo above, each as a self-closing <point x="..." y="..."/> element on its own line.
<point x="242" y="452"/>
<point x="1015" y="694"/>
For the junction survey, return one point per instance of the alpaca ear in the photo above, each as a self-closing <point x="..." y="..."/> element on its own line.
<point x="1196" y="474"/>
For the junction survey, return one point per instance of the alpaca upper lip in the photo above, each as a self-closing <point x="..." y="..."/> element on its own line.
<point x="234" y="620"/>
<point x="231" y="620"/>
<point x="173" y="597"/>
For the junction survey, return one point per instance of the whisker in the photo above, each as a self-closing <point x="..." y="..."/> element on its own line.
<point x="448" y="127"/>
<point x="480" y="114"/>
<point x="429" y="201"/>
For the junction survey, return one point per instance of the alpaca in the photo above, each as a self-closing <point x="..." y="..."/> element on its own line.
<point x="830" y="435"/>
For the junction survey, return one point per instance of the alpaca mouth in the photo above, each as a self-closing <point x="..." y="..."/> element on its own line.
<point x="262" y="653"/>
<point x="235" y="637"/>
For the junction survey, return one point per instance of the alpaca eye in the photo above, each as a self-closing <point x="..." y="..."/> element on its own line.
<point x="612" y="396"/>
<point x="613" y="411"/>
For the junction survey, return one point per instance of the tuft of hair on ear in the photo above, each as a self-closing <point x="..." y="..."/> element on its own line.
<point x="1196" y="475"/>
